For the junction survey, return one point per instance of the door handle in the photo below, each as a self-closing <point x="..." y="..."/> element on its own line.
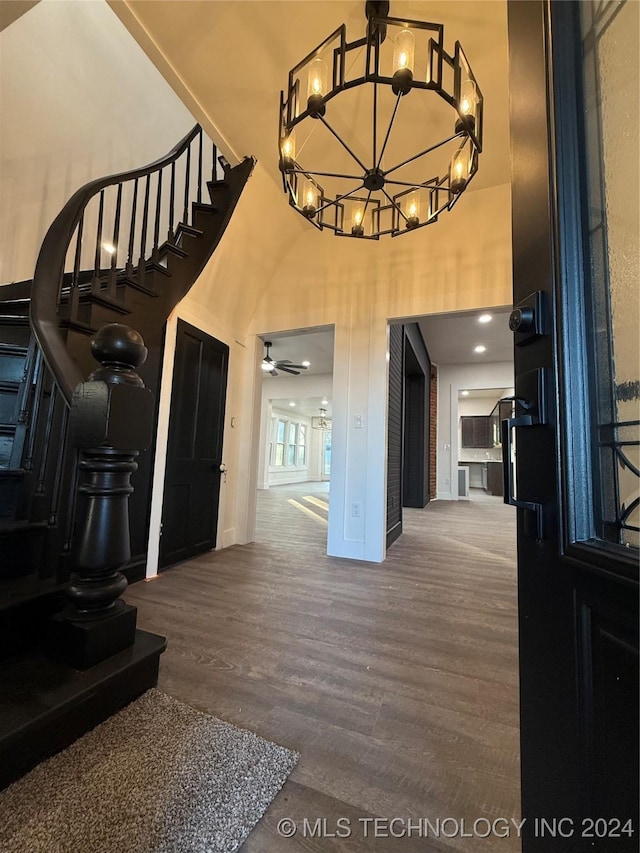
<point x="532" y="399"/>
<point x="507" y="426"/>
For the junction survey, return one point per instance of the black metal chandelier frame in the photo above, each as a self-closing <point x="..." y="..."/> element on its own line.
<point x="384" y="208"/>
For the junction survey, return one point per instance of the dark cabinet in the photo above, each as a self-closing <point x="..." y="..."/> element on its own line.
<point x="502" y="411"/>
<point x="477" y="431"/>
<point x="494" y="478"/>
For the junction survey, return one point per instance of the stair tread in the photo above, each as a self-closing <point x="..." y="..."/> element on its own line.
<point x="191" y="230"/>
<point x="175" y="250"/>
<point x="131" y="281"/>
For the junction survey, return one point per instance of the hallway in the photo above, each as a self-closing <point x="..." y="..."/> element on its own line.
<point x="397" y="682"/>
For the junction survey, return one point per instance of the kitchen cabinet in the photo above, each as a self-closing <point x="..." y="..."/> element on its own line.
<point x="477" y="431"/>
<point x="494" y="478"/>
<point x="501" y="411"/>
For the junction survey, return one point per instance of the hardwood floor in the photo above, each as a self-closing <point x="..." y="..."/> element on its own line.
<point x="396" y="682"/>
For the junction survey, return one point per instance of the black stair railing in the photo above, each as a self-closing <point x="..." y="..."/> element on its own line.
<point x="96" y="218"/>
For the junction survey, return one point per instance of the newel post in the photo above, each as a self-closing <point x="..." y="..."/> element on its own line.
<point x="111" y="421"/>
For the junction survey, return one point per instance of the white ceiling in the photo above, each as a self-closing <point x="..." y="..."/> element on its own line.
<point x="451" y="338"/>
<point x="313" y="345"/>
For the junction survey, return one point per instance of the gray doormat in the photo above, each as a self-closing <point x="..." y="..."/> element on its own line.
<point x="157" y="776"/>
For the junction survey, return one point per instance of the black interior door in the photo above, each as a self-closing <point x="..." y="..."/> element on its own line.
<point x="575" y="478"/>
<point x="194" y="451"/>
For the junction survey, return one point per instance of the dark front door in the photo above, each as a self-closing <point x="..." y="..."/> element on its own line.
<point x="194" y="452"/>
<point x="574" y="125"/>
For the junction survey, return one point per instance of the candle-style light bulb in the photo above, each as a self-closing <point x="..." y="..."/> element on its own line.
<point x="288" y="151"/>
<point x="357" y="229"/>
<point x="468" y="105"/>
<point x="412" y="208"/>
<point x="459" y="171"/>
<point x="309" y="199"/>
<point x="317" y="87"/>
<point x="403" y="52"/>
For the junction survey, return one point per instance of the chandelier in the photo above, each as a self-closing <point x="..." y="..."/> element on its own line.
<point x="322" y="422"/>
<point x="355" y="152"/>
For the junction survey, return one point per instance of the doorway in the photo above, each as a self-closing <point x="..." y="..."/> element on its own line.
<point x="295" y="426"/>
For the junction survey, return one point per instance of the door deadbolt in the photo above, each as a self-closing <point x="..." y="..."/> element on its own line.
<point x="522" y="320"/>
<point x="528" y="319"/>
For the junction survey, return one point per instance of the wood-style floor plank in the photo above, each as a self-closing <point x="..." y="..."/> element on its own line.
<point x="397" y="683"/>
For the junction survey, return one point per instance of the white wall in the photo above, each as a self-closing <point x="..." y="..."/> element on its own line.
<point x="80" y="100"/>
<point x="300" y="387"/>
<point x="453" y="378"/>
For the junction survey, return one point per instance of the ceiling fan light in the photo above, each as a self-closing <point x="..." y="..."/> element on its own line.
<point x="266" y="365"/>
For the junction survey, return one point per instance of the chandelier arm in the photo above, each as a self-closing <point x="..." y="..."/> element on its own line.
<point x="397" y="206"/>
<point x="422" y="153"/>
<point x="426" y="185"/>
<point x="375" y="121"/>
<point x="386" y="139"/>
<point x="339" y="198"/>
<point x="343" y="143"/>
<point x="325" y="175"/>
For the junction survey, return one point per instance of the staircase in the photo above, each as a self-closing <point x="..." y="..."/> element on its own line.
<point x="125" y="249"/>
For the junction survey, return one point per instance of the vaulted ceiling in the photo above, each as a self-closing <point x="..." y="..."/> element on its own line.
<point x="229" y="60"/>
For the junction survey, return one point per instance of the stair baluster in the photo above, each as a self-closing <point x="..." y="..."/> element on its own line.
<point x="172" y="213"/>
<point x="115" y="245"/>
<point x="155" y="255"/>
<point x="142" y="264"/>
<point x="199" y="196"/>
<point x="95" y="283"/>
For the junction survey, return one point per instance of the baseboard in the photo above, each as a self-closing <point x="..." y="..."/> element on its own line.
<point x="227" y="539"/>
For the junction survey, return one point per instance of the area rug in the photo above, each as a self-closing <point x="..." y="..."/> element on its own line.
<point x="157" y="776"/>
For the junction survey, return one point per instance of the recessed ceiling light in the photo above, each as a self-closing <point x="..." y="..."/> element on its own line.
<point x="480" y="348"/>
<point x="306" y="364"/>
<point x="292" y="403"/>
<point x="324" y="402"/>
<point x="465" y="393"/>
<point x="485" y="318"/>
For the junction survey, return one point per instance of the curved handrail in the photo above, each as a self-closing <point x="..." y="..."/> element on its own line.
<point x="51" y="261"/>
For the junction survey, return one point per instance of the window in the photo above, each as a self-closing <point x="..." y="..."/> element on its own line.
<point x="302" y="445"/>
<point x="611" y="133"/>
<point x="288" y="443"/>
<point x="280" y="433"/>
<point x="291" y="444"/>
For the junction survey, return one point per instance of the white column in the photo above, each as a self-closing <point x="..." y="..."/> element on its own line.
<point x="357" y="516"/>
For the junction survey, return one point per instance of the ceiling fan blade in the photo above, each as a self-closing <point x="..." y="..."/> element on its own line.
<point x="273" y="372"/>
<point x="288" y="370"/>
<point x="288" y="363"/>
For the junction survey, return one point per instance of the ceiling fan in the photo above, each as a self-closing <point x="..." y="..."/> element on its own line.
<point x="269" y="364"/>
